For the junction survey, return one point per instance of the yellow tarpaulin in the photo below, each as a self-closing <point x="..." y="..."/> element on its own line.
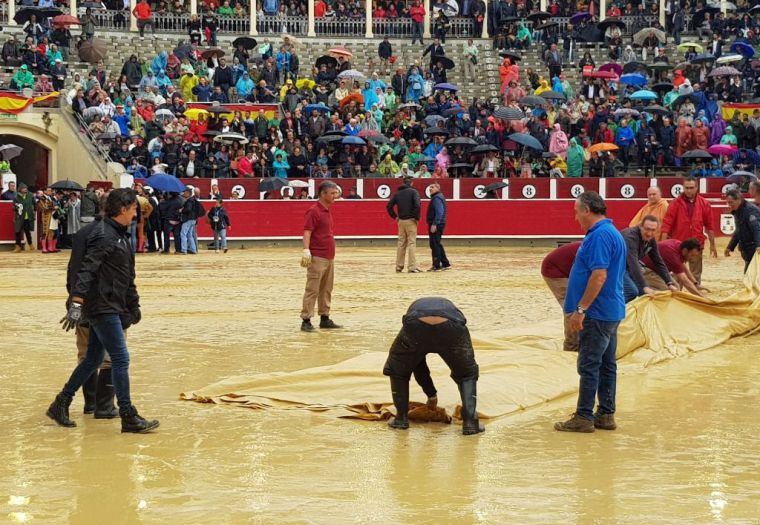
<point x="516" y="372"/>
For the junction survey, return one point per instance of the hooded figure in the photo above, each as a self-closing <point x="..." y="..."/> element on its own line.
<point x="160" y="62"/>
<point x="718" y="129"/>
<point x="543" y="86"/>
<point x="557" y="86"/>
<point x="244" y="86"/>
<point x="416" y="85"/>
<point x="576" y="156"/>
<point x="729" y="137"/>
<point x="370" y="96"/>
<point x="558" y="142"/>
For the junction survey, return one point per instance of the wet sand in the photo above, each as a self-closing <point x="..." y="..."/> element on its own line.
<point x="686" y="450"/>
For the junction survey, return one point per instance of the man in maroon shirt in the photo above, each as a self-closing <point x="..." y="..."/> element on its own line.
<point x="555" y="269"/>
<point x="674" y="254"/>
<point x="318" y="255"/>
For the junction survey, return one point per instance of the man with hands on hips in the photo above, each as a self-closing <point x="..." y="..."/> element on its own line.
<point x="317" y="258"/>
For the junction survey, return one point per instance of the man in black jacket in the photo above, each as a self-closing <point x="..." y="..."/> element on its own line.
<point x="436" y="50"/>
<point x="436" y="221"/>
<point x="385" y="52"/>
<point x="169" y="210"/>
<point x="747" y="233"/>
<point x="641" y="241"/>
<point x="223" y="77"/>
<point x="103" y="291"/>
<point x="404" y="208"/>
<point x="400" y="83"/>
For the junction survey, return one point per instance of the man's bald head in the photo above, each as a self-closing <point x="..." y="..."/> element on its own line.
<point x="654" y="194"/>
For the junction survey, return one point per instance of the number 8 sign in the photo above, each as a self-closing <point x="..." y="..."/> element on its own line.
<point x="627" y="191"/>
<point x="529" y="191"/>
<point x="577" y="190"/>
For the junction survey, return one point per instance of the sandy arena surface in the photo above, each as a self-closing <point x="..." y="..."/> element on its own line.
<point x="686" y="450"/>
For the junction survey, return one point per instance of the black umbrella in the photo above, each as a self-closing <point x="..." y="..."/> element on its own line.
<point x="610" y="22"/>
<point x="461" y="165"/>
<point x="704" y="58"/>
<point x="540" y="15"/>
<point x="272" y="184"/>
<point x="532" y="100"/>
<point x="453" y="111"/>
<point x="484" y="148"/>
<point x="510" y="55"/>
<point x="379" y="139"/>
<point x="24" y="15"/>
<point x="683" y="98"/>
<point x="183" y="51"/>
<point x="217" y="109"/>
<point x="445" y="61"/>
<point x="508" y="114"/>
<point x="630" y="67"/>
<point x="245" y="41"/>
<point x="327" y="61"/>
<point x="67" y="185"/>
<point x="553" y="95"/>
<point x="654" y="108"/>
<point x="210" y="133"/>
<point x="548" y="25"/>
<point x="495" y="186"/>
<point x="660" y="66"/>
<point x="461" y="141"/>
<point x="697" y="154"/>
<point x="330" y="138"/>
<point x="662" y="86"/>
<point x="336" y="133"/>
<point x="436" y="131"/>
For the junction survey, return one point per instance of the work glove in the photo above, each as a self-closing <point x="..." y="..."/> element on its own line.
<point x="73" y="316"/>
<point x="306" y="258"/>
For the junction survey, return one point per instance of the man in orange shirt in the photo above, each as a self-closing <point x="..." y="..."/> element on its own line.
<point x="144" y="17"/>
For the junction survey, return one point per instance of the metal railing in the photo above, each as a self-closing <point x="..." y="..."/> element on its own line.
<point x="392" y="27"/>
<point x="353" y="27"/>
<point x="99" y="148"/>
<point x="109" y="19"/>
<point x="292" y="25"/>
<point x="461" y="27"/>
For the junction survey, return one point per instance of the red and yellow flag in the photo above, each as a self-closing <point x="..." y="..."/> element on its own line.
<point x="15" y="104"/>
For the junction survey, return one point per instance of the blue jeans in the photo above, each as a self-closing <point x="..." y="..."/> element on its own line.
<point x="597" y="367"/>
<point x="417" y="29"/>
<point x="220" y="235"/>
<point x="106" y="335"/>
<point x="630" y="289"/>
<point x="187" y="236"/>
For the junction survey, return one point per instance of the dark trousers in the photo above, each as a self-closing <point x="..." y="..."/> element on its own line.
<point x="25" y="230"/>
<point x="417" y="28"/>
<point x="106" y="335"/>
<point x="436" y="247"/>
<point x="155" y="239"/>
<point x="174" y="229"/>
<point x="450" y="340"/>
<point x="597" y="367"/>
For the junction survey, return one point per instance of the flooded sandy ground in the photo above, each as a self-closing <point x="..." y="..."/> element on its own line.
<point x="686" y="450"/>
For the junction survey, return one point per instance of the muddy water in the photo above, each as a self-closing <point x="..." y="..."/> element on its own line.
<point x="686" y="451"/>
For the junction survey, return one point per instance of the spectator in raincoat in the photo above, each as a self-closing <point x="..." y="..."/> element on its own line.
<point x="718" y="129"/>
<point x="416" y="85"/>
<point x="244" y="86"/>
<point x="567" y="88"/>
<point x="558" y="142"/>
<point x="23" y="78"/>
<point x="576" y="156"/>
<point x="557" y="86"/>
<point x="543" y="86"/>
<point x="148" y="80"/>
<point x="163" y="82"/>
<point x="524" y="37"/>
<point x="186" y="84"/>
<point x="729" y="137"/>
<point x="160" y="62"/>
<point x="370" y="96"/>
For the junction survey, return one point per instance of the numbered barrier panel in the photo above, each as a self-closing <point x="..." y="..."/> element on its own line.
<point x="628" y="188"/>
<point x="717" y="185"/>
<point x="529" y="189"/>
<point x="384" y="188"/>
<point x="572" y="188"/>
<point x="472" y="188"/>
<point x="671" y="186"/>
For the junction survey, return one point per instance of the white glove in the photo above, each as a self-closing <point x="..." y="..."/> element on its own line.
<point x="306" y="258"/>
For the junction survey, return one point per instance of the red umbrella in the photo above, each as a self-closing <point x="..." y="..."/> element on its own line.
<point x="608" y="75"/>
<point x="339" y="52"/>
<point x="66" y="20"/>
<point x="615" y="68"/>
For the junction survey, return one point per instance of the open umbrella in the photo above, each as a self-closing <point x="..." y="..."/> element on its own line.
<point x="547" y="25"/>
<point x="316" y="107"/>
<point x="722" y="149"/>
<point x="743" y="48"/>
<point x="339" y="51"/>
<point x="532" y="100"/>
<point x="634" y="79"/>
<point x="729" y="59"/>
<point x="246" y="41"/>
<point x="378" y="138"/>
<point x="65" y="20"/>
<point x="610" y="21"/>
<point x="445" y="86"/>
<point x="210" y="133"/>
<point x="91" y="113"/>
<point x="529" y="141"/>
<point x="436" y="131"/>
<point x="484" y="148"/>
<point x="433" y="120"/>
<point x="553" y="95"/>
<point x="23" y="15"/>
<point x="213" y="52"/>
<point x="662" y="86"/>
<point x="634" y="66"/>
<point x="689" y="46"/>
<point x="683" y="98"/>
<point x="660" y="66"/>
<point x="409" y="105"/>
<point x="107" y="136"/>
<point x="644" y="94"/>
<point x="445" y="61"/>
<point x="337" y="132"/>
<point x="183" y="51"/>
<point x="272" y="184"/>
<point x="164" y="182"/>
<point x="353" y="140"/>
<point x="10" y="151"/>
<point x="703" y="59"/>
<point x="696" y="154"/>
<point x="737" y="176"/>
<point x="626" y="112"/>
<point x="724" y="71"/>
<point x="461" y="141"/>
<point x="298" y="184"/>
<point x="514" y="57"/>
<point x="230" y="138"/>
<point x="602" y="146"/>
<point x="495" y="186"/>
<point x="93" y="51"/>
<point x="456" y="110"/>
<point x="539" y="16"/>
<point x="67" y="185"/>
<point x="217" y="109"/>
<point x="577" y="18"/>
<point x="615" y="68"/>
<point x="508" y="114"/>
<point x="352" y="74"/>
<point x="164" y="114"/>
<point x="449" y="7"/>
<point x="655" y="109"/>
<point x="327" y="60"/>
<point x="329" y="138"/>
<point x="641" y="37"/>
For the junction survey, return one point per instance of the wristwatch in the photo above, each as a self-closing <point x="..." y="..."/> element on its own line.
<point x="581" y="310"/>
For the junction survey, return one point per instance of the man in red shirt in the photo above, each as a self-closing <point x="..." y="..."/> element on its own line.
<point x="318" y="255"/>
<point x="555" y="269"/>
<point x="144" y="17"/>
<point x="417" y="13"/>
<point x="674" y="254"/>
<point x="690" y="216"/>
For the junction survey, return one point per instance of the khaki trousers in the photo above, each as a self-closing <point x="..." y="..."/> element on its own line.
<point x="83" y="339"/>
<point x="696" y="269"/>
<point x="558" y="286"/>
<point x="319" y="285"/>
<point x="407" y="244"/>
<point x="653" y="280"/>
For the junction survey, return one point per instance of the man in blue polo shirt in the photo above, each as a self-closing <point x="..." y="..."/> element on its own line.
<point x="595" y="300"/>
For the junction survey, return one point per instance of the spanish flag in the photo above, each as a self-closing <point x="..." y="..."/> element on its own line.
<point x="15" y="104"/>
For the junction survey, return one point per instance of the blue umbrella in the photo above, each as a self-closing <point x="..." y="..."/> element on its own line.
<point x="164" y="182"/>
<point x="526" y="140"/>
<point x="433" y="120"/>
<point x="446" y="87"/>
<point x="634" y="79"/>
<point x="743" y="48"/>
<point x="353" y="140"/>
<point x="644" y="94"/>
<point x="577" y="18"/>
<point x="316" y="107"/>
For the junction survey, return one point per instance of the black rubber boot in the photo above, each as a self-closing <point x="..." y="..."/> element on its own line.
<point x="132" y="422"/>
<point x="327" y="323"/>
<point x="400" y="391"/>
<point x="88" y="391"/>
<point x="59" y="410"/>
<point x="104" y="407"/>
<point x="469" y="392"/>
